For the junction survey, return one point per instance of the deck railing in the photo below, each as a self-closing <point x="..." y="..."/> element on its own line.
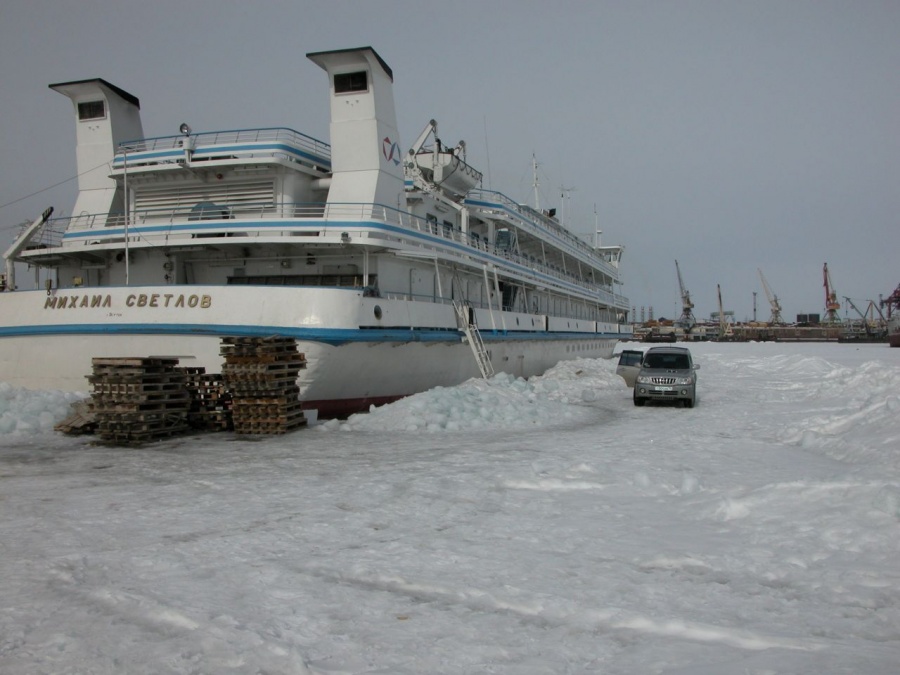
<point x="212" y="139"/>
<point x="264" y="219"/>
<point x="528" y="218"/>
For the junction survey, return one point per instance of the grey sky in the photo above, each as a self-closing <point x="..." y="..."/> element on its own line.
<point x="729" y="135"/>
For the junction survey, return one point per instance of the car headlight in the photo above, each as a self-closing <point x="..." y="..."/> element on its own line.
<point x="643" y="379"/>
<point x="685" y="380"/>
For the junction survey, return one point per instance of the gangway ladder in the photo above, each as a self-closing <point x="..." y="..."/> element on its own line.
<point x="473" y="336"/>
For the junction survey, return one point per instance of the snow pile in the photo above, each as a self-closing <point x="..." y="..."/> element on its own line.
<point x="856" y="417"/>
<point x="25" y="412"/>
<point x="503" y="402"/>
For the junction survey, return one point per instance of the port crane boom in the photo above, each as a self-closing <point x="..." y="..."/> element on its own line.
<point x="873" y="326"/>
<point x="725" y="331"/>
<point x="775" y="318"/>
<point x="686" y="320"/>
<point x="831" y="304"/>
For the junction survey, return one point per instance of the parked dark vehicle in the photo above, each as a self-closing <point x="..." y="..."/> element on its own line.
<point x="667" y="374"/>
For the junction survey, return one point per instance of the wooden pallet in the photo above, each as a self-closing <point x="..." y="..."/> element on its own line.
<point x="81" y="420"/>
<point x="210" y="420"/>
<point x="261" y="374"/>
<point x="142" y="362"/>
<point x="210" y="401"/>
<point x="136" y="400"/>
<point x="256" y="346"/>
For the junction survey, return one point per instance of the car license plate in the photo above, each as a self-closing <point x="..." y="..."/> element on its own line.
<point x="664" y="388"/>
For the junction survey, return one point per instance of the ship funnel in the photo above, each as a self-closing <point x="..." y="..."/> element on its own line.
<point x="104" y="117"/>
<point x="365" y="146"/>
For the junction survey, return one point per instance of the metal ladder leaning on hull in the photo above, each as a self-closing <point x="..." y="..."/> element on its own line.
<point x="474" y="339"/>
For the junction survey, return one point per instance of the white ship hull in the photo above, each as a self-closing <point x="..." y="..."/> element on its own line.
<point x="353" y="359"/>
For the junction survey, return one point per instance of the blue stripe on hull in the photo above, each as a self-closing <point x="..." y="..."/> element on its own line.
<point x="332" y="336"/>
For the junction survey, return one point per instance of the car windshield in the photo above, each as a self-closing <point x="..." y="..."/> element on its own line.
<point x="667" y="361"/>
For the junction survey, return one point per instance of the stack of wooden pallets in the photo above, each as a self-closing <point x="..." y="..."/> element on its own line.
<point x="261" y="374"/>
<point x="210" y="402"/>
<point x="81" y="419"/>
<point x="138" y="399"/>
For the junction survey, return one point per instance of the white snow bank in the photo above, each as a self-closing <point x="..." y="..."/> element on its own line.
<point x="502" y="402"/>
<point x="861" y="419"/>
<point x="25" y="412"/>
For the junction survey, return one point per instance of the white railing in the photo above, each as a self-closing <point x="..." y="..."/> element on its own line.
<point x="212" y="139"/>
<point x="50" y="235"/>
<point x="529" y="219"/>
<point x="269" y="219"/>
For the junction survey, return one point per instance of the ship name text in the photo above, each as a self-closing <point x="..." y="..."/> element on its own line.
<point x="139" y="300"/>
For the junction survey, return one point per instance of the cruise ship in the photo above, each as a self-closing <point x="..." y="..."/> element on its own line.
<point x="391" y="265"/>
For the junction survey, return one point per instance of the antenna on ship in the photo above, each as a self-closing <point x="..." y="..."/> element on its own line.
<point x="536" y="184"/>
<point x="563" y="197"/>
<point x="487" y="151"/>
<point x="597" y="230"/>
<point x="125" y="197"/>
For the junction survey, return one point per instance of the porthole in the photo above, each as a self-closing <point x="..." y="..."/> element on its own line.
<point x="378" y="312"/>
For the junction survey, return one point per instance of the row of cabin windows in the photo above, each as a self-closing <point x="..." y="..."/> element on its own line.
<point x="341" y="280"/>
<point x="509" y="292"/>
<point x="503" y="240"/>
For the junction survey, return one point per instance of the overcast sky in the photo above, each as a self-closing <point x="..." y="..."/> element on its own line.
<point x="727" y="135"/>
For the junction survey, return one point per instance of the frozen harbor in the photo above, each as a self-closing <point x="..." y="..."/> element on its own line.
<point x="528" y="528"/>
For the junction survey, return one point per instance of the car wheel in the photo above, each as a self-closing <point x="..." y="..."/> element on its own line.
<point x="638" y="401"/>
<point x="688" y="403"/>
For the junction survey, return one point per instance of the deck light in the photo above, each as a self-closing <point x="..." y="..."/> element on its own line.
<point x="185" y="129"/>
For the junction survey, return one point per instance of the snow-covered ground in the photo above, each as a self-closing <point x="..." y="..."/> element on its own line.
<point x="524" y="528"/>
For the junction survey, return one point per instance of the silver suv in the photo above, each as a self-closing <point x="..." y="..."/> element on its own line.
<point x="667" y="374"/>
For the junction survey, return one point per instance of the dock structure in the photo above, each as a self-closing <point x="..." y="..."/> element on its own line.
<point x="261" y="374"/>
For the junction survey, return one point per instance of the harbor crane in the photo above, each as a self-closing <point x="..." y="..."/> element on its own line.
<point x="686" y="320"/>
<point x="775" y="318"/>
<point x="874" y="327"/>
<point x="892" y="302"/>
<point x="831" y="304"/>
<point x="725" y="330"/>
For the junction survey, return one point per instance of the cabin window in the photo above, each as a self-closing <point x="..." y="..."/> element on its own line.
<point x="504" y="239"/>
<point x="334" y="280"/>
<point x="91" y="110"/>
<point x="345" y="83"/>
